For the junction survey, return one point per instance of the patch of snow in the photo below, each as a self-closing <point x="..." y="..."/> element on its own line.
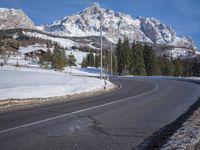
<point x="39" y="27"/>
<point x="88" y="71"/>
<point x="180" y="52"/>
<point x="20" y="83"/>
<point x="197" y="52"/>
<point x="185" y="137"/>
<point x="13" y="60"/>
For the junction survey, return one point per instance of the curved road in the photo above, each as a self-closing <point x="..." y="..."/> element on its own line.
<point x="119" y="120"/>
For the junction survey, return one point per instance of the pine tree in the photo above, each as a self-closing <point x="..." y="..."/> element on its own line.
<point x="126" y="57"/>
<point x="150" y="61"/>
<point x="46" y="58"/>
<point x="167" y="67"/>
<point x="97" y="61"/>
<point x="132" y="60"/>
<point x="90" y="59"/>
<point x="71" y="60"/>
<point x="84" y="63"/>
<point x="48" y="55"/>
<point x="196" y="67"/>
<point x="187" y="67"/>
<point x="138" y="60"/>
<point x="178" y="69"/>
<point x="59" y="59"/>
<point x="119" y="55"/>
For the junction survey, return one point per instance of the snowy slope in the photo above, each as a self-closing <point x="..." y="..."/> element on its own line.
<point x="117" y="25"/>
<point x="66" y="43"/>
<point x="28" y="83"/>
<point x="62" y="41"/>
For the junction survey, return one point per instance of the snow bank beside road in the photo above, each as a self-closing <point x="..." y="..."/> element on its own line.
<point x="187" y="137"/>
<point x="29" y="83"/>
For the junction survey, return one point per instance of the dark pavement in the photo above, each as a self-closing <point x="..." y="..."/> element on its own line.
<point x="119" y="120"/>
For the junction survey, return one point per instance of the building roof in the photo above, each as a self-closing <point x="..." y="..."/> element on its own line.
<point x="32" y="48"/>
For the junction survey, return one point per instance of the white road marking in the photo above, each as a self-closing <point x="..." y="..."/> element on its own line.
<point x="78" y="111"/>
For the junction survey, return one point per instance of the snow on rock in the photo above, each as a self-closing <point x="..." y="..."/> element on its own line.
<point x="19" y="83"/>
<point x="87" y="23"/>
<point x="117" y="25"/>
<point x="12" y="18"/>
<point x="180" y="53"/>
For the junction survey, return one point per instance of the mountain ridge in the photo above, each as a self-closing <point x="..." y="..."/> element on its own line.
<point x="117" y="25"/>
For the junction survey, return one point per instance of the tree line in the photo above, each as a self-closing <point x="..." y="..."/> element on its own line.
<point x="141" y="60"/>
<point x="93" y="60"/>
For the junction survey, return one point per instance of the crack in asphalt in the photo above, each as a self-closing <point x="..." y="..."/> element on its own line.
<point x="101" y="130"/>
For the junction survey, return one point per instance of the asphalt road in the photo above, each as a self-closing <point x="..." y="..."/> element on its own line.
<point x="119" y="120"/>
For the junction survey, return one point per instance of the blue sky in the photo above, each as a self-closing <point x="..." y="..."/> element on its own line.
<point x="182" y="15"/>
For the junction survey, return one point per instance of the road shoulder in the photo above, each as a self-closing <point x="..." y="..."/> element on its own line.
<point x="17" y="104"/>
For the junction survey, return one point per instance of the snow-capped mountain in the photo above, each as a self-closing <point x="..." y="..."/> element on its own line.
<point x="12" y="18"/>
<point x="117" y="25"/>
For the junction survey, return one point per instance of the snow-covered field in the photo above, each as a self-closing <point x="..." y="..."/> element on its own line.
<point x="21" y="83"/>
<point x="13" y="60"/>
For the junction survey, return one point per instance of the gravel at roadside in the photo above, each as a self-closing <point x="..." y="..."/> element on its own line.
<point x="187" y="137"/>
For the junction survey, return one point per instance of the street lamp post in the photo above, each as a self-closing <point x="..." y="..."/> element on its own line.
<point x="101" y="17"/>
<point x="111" y="68"/>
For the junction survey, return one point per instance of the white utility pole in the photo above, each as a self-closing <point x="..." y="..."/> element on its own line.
<point x="101" y="19"/>
<point x="111" y="66"/>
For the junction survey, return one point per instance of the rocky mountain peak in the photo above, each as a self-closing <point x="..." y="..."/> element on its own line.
<point x="94" y="8"/>
<point x="13" y="18"/>
<point x="117" y="25"/>
<point x="157" y="31"/>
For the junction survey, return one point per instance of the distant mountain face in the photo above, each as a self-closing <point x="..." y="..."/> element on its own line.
<point x="84" y="27"/>
<point x="12" y="18"/>
<point x="117" y="25"/>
